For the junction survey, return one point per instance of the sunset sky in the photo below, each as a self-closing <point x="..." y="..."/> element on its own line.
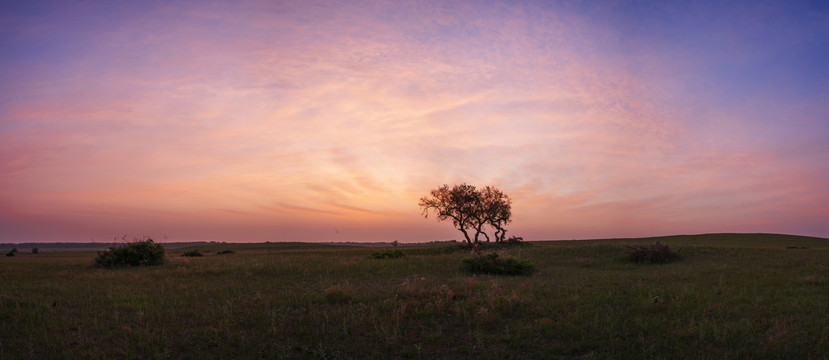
<point x="247" y="121"/>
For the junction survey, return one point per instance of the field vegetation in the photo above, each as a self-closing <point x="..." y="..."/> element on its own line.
<point x="729" y="296"/>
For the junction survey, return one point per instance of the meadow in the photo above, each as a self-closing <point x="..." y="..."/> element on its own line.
<point x="731" y="296"/>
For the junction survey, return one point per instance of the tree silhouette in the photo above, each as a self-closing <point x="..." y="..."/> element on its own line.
<point x="495" y="210"/>
<point x="470" y="210"/>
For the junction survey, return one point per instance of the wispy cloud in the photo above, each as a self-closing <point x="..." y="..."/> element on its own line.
<point x="287" y="116"/>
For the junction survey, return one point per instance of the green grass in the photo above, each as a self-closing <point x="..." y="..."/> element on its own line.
<point x="731" y="296"/>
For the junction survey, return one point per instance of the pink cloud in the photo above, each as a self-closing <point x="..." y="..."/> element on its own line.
<point x="205" y="120"/>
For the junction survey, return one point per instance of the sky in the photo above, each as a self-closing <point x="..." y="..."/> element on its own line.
<point x="249" y="121"/>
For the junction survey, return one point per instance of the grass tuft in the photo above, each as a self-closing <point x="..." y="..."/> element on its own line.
<point x="192" y="253"/>
<point x="338" y="294"/>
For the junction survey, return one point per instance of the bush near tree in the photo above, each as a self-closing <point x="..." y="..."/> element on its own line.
<point x="493" y="264"/>
<point x="138" y="253"/>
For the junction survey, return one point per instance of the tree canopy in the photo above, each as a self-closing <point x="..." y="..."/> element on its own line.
<point x="471" y="210"/>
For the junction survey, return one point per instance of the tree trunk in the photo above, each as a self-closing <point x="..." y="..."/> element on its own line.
<point x="485" y="235"/>
<point x="500" y="234"/>
<point x="466" y="235"/>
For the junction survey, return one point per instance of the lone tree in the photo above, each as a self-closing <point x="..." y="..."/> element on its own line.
<point x="471" y="210"/>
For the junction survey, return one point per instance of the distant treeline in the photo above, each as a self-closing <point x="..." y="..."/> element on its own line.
<point x="177" y="245"/>
<point x="386" y="244"/>
<point x="93" y="246"/>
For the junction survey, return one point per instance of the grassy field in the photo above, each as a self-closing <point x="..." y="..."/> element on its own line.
<point x="731" y="296"/>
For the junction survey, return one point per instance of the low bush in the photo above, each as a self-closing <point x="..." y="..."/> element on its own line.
<point x="493" y="264"/>
<point x="12" y="252"/>
<point x="392" y="254"/>
<point x="193" y="253"/>
<point x="656" y="253"/>
<point x="137" y="253"/>
<point x="515" y="240"/>
<point x="224" y="252"/>
<point x="511" y="242"/>
<point x="35" y="250"/>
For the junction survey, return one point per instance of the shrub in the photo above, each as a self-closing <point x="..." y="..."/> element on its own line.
<point x="656" y="253"/>
<point x="515" y="240"/>
<point x="225" y="252"/>
<point x="193" y="253"/>
<point x="393" y="254"/>
<point x="511" y="242"/>
<point x="493" y="264"/>
<point x="138" y="253"/>
<point x="12" y="252"/>
<point x="35" y="251"/>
